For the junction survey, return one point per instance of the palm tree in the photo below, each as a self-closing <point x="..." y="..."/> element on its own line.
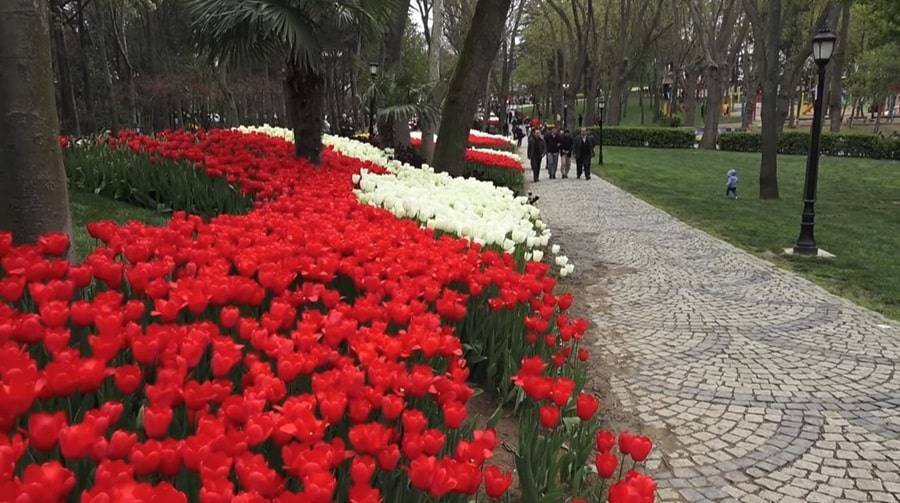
<point x="300" y="31"/>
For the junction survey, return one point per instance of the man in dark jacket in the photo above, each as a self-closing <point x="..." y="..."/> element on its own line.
<point x="536" y="150"/>
<point x="583" y="150"/>
<point x="565" y="152"/>
<point x="552" y="141"/>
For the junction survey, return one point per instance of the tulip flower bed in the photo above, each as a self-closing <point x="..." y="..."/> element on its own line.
<point x="502" y="168"/>
<point x="489" y="163"/>
<point x="478" y="139"/>
<point x="312" y="350"/>
<point x="160" y="184"/>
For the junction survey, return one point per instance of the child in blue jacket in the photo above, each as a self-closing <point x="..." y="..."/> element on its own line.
<point x="731" y="184"/>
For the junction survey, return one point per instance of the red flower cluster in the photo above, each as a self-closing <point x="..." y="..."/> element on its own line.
<point x="478" y="141"/>
<point x="486" y="159"/>
<point x="264" y="356"/>
<point x="635" y="487"/>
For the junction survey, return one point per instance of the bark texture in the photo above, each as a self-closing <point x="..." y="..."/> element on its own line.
<point x="836" y="70"/>
<point x="304" y="89"/>
<point x="469" y="78"/>
<point x="34" y="194"/>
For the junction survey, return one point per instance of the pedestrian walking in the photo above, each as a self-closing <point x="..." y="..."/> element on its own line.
<point x="583" y="150"/>
<point x="536" y="150"/>
<point x="565" y="152"/>
<point x="552" y="142"/>
<point x="731" y="182"/>
<point x="518" y="131"/>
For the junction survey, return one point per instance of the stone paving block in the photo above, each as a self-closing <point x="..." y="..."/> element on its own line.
<point x="769" y="385"/>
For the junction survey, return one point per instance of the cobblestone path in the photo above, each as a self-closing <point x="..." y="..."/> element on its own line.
<point x="760" y="385"/>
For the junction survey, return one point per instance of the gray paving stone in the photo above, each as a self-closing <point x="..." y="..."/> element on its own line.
<point x="770" y="387"/>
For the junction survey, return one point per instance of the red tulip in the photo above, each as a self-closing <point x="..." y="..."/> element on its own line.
<point x="625" y="439"/>
<point x="44" y="429"/>
<point x="640" y="448"/>
<point x="605" y="440"/>
<point x="549" y="415"/>
<point x="496" y="482"/>
<point x="606" y="463"/>
<point x="586" y="405"/>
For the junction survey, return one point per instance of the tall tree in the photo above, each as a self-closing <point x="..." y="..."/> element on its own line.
<point x="639" y="23"/>
<point x="300" y="32"/>
<point x="718" y="27"/>
<point x="782" y="44"/>
<point x="34" y="191"/>
<point x="475" y="61"/>
<point x="836" y="72"/>
<point x="434" y="39"/>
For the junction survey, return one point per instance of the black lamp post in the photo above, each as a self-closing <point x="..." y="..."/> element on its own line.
<point x="823" y="46"/>
<point x="600" y="132"/>
<point x="565" y="105"/>
<point x="373" y="72"/>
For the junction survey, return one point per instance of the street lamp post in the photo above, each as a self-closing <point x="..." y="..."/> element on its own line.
<point x="823" y="46"/>
<point x="565" y="105"/>
<point x="373" y="72"/>
<point x="600" y="135"/>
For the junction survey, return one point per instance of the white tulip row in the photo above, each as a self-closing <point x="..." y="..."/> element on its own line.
<point x="466" y="207"/>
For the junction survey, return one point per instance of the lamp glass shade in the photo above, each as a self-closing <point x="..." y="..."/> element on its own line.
<point x="823" y="45"/>
<point x="373" y="69"/>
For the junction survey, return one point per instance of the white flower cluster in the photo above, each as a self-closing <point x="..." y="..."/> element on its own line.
<point x="466" y="207"/>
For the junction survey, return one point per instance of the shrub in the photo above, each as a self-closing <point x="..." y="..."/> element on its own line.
<point x="654" y="137"/>
<point x="833" y="144"/>
<point x="159" y="184"/>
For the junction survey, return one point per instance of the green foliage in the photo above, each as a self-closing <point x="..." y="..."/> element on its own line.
<point x="231" y="30"/>
<point x="833" y="144"/>
<point x="856" y="212"/>
<point x="161" y="185"/>
<point x="646" y="137"/>
<point x="501" y="177"/>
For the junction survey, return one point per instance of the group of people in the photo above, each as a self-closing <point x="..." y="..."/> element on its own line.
<point x="559" y="148"/>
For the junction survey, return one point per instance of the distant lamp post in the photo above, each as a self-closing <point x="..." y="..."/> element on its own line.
<point x="565" y="105"/>
<point x="823" y="46"/>
<point x="600" y="133"/>
<point x="373" y="72"/>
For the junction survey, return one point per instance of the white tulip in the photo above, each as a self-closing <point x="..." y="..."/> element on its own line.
<point x="554" y="249"/>
<point x="562" y="260"/>
<point x="538" y="255"/>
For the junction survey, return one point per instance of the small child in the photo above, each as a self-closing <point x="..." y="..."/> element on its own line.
<point x="731" y="184"/>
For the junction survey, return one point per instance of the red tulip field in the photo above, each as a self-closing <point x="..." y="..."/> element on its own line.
<point x="310" y="348"/>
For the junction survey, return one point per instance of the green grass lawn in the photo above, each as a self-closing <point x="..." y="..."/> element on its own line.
<point x="857" y="213"/>
<point x="87" y="207"/>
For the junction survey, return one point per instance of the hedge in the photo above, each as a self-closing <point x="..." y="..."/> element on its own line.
<point x="655" y="137"/>
<point x="159" y="184"/>
<point x="833" y="144"/>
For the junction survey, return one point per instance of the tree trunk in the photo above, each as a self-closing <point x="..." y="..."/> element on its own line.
<point x="772" y="120"/>
<point x="304" y="90"/>
<point x="475" y="61"/>
<point x="614" y="110"/>
<point x="88" y="121"/>
<point x="690" y="97"/>
<point x="713" y="108"/>
<point x="434" y="74"/>
<point x="835" y="98"/>
<point x="34" y="191"/>
<point x="768" y="167"/>
<point x="394" y="132"/>
<point x="69" y="118"/>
